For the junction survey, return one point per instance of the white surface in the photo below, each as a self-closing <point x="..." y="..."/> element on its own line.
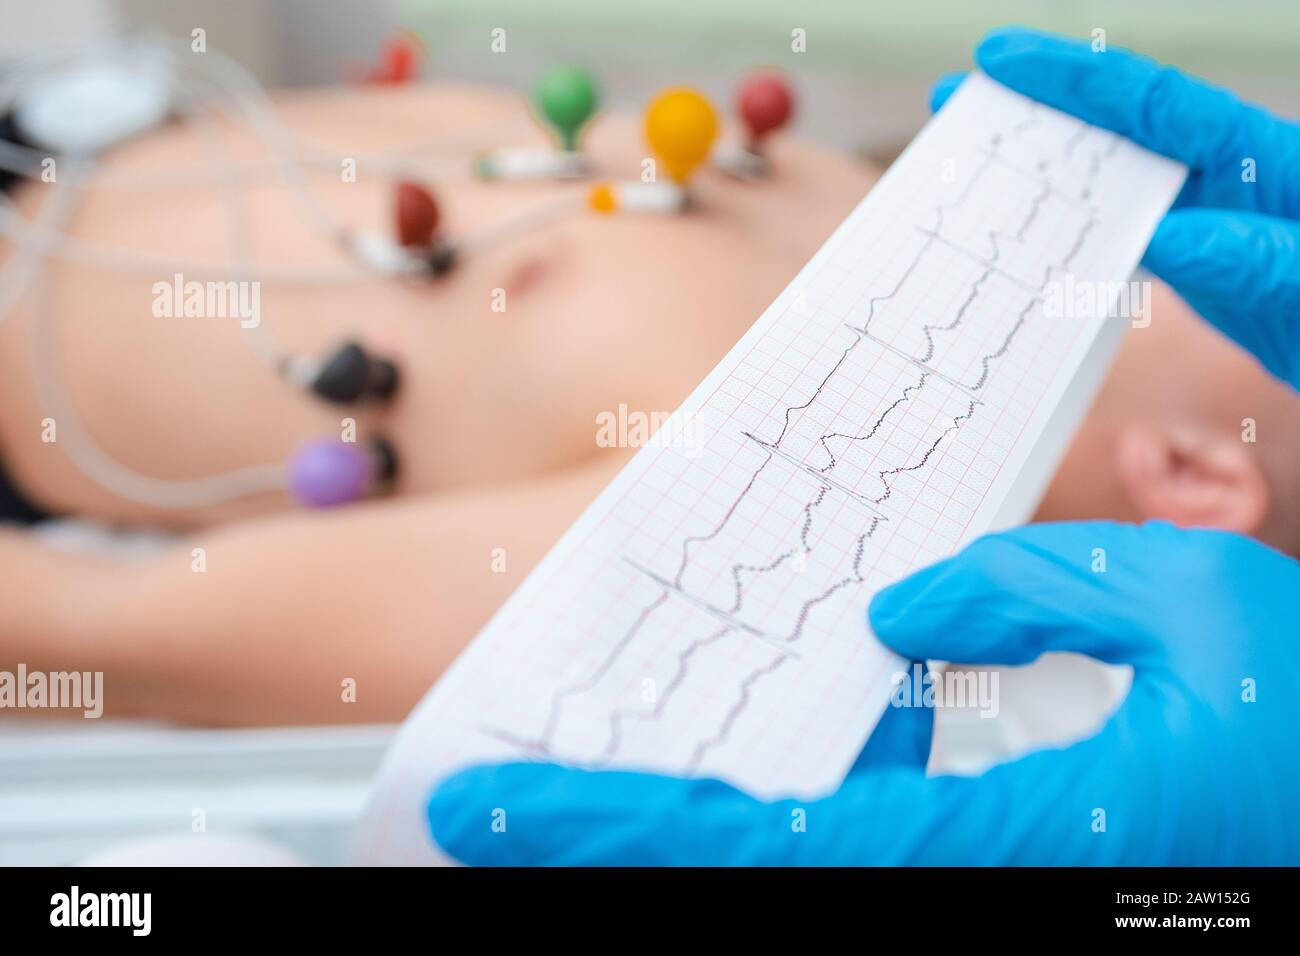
<point x="705" y="615"/>
<point x="83" y="108"/>
<point x="1053" y="702"/>
<point x="195" y="849"/>
<point x="71" y="790"/>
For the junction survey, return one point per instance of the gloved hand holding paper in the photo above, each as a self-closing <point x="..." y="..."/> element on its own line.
<point x="913" y="388"/>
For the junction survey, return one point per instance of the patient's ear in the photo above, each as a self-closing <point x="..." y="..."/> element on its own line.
<point x="1192" y="477"/>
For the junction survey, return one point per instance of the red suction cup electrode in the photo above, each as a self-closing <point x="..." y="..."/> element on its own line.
<point x="417" y="215"/>
<point x="765" y="103"/>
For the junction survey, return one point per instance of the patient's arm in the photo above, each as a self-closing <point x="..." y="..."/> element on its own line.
<point x="289" y="607"/>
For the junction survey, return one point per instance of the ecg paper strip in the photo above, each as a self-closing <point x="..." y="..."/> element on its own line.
<point x="909" y="391"/>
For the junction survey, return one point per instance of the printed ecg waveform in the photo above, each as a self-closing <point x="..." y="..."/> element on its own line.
<point x="707" y="614"/>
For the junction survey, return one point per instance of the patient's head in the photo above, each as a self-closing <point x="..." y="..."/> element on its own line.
<point x="1188" y="428"/>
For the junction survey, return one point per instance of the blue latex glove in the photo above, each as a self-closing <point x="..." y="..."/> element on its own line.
<point x="1230" y="248"/>
<point x="1187" y="771"/>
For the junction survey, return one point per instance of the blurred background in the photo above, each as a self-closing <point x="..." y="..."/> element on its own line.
<point x="863" y="79"/>
<point x="863" y="84"/>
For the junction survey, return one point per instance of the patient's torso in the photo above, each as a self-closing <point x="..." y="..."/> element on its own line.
<point x="506" y="361"/>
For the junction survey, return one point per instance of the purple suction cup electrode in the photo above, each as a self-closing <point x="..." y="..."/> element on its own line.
<point x="329" y="472"/>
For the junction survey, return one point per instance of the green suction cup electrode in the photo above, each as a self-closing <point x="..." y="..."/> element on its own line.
<point x="567" y="97"/>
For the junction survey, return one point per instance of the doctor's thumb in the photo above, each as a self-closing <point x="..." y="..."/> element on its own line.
<point x="1009" y="597"/>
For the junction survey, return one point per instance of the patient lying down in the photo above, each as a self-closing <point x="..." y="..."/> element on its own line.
<point x="349" y="615"/>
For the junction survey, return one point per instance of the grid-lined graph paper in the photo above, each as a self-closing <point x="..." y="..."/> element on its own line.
<point x="912" y="388"/>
